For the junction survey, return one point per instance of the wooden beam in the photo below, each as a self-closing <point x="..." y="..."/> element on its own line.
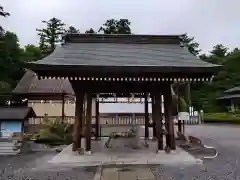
<point x="158" y="120"/>
<point x="97" y="119"/>
<point x="168" y="116"/>
<point x="153" y="115"/>
<point x="78" y="121"/>
<point x="146" y="114"/>
<point x="89" y="122"/>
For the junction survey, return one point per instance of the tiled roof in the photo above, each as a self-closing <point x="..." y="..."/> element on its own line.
<point x="16" y="113"/>
<point x="31" y="84"/>
<point x="103" y="54"/>
<point x="231" y="96"/>
<point x="124" y="51"/>
<point x="233" y="90"/>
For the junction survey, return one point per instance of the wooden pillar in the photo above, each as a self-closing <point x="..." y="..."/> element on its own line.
<point x="170" y="139"/>
<point x="89" y="122"/>
<point x="178" y="108"/>
<point x="158" y="120"/>
<point x="97" y="119"/>
<point x="146" y="116"/>
<point x="153" y="115"/>
<point x="78" y="121"/>
<point x="63" y="107"/>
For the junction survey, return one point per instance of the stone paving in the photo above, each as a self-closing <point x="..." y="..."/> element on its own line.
<point x="127" y="173"/>
<point x="124" y="155"/>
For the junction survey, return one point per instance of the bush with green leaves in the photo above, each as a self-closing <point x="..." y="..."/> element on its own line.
<point x="223" y="116"/>
<point x="55" y="132"/>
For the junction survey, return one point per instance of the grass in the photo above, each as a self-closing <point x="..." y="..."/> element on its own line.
<point x="222" y="117"/>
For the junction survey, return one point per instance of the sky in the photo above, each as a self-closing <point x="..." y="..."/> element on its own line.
<point x="211" y="22"/>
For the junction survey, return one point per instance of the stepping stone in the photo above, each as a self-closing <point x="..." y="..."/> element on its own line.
<point x="132" y="173"/>
<point x="109" y="174"/>
<point x="127" y="175"/>
<point x="144" y="174"/>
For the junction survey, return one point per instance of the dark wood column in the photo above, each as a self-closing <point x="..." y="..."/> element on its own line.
<point x="158" y="120"/>
<point x="178" y="109"/>
<point x="170" y="139"/>
<point x="153" y="115"/>
<point x="78" y="121"/>
<point x="97" y="119"/>
<point x="146" y="114"/>
<point x="89" y="122"/>
<point x="63" y="106"/>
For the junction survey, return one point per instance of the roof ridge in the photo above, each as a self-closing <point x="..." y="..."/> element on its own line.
<point x="121" y="38"/>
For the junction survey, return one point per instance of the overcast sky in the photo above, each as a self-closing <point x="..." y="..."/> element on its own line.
<point x="209" y="21"/>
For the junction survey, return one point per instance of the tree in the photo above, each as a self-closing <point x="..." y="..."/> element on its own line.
<point x="32" y="53"/>
<point x="4" y="14"/>
<point x="113" y="26"/>
<point x="184" y="89"/>
<point x="218" y="54"/>
<point x="52" y="34"/>
<point x="43" y="46"/>
<point x="90" y="31"/>
<point x="72" y="30"/>
<point x="123" y="26"/>
<point x="11" y="63"/>
<point x="191" y="44"/>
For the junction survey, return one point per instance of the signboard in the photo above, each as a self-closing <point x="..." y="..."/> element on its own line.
<point x="183" y="116"/>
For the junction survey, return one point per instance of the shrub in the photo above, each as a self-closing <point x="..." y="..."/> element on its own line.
<point x="55" y="132"/>
<point x="221" y="117"/>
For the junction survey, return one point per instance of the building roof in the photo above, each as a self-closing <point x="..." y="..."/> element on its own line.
<point x="233" y="90"/>
<point x="30" y="84"/>
<point x="132" y="52"/>
<point x="16" y="113"/>
<point x="230" y="96"/>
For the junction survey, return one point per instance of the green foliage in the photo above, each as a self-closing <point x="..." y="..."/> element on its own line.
<point x="32" y="53"/>
<point x="3" y="13"/>
<point x="113" y="26"/>
<point x="223" y="116"/>
<point x="205" y="96"/>
<point x="51" y="35"/>
<point x="90" y="31"/>
<point x="11" y="61"/>
<point x="55" y="132"/>
<point x="191" y="44"/>
<point x="72" y="29"/>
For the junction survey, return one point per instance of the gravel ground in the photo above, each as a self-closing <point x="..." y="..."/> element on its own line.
<point x="34" y="166"/>
<point x="225" y="167"/>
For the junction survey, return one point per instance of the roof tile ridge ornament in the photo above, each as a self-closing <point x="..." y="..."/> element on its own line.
<point x="120" y="38"/>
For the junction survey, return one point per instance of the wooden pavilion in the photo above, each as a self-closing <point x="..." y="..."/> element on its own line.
<point x="232" y="97"/>
<point x="123" y="66"/>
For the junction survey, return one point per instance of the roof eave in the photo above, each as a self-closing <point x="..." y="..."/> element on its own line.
<point x="145" y="69"/>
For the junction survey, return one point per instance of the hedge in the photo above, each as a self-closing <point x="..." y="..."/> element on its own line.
<point x="222" y="118"/>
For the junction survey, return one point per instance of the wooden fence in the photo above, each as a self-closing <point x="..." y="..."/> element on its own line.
<point x="106" y="120"/>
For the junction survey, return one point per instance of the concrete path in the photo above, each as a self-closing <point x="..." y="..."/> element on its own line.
<point x="105" y="156"/>
<point x="131" y="173"/>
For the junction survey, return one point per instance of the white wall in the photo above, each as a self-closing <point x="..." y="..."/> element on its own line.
<point x="54" y="108"/>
